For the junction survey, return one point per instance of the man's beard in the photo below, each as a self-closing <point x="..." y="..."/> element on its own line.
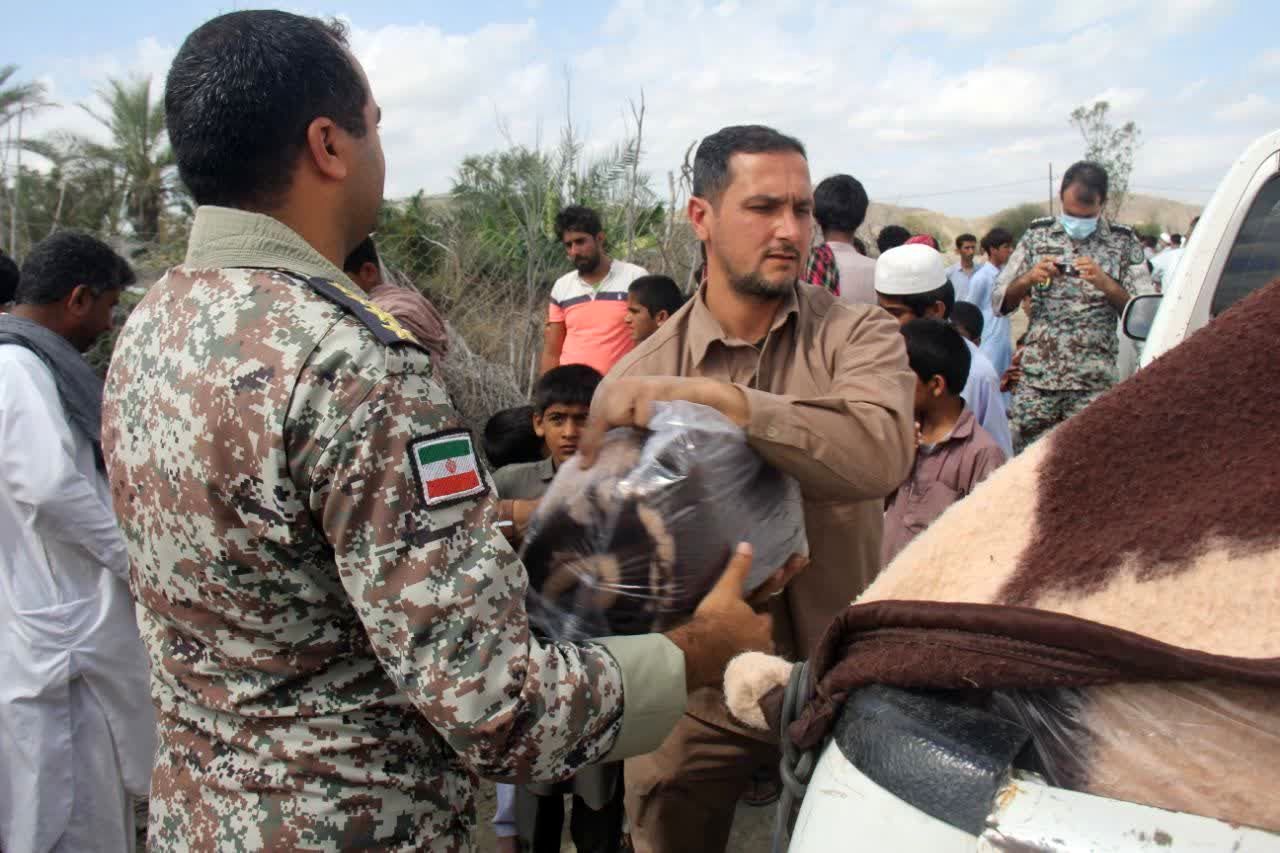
<point x="587" y="265"/>
<point x="756" y="287"/>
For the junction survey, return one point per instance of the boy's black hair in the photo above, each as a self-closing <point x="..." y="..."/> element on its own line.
<point x="995" y="238"/>
<point x="891" y="237"/>
<point x="8" y="279"/>
<point x="967" y="316"/>
<point x="936" y="349"/>
<point x="578" y="218"/>
<point x="567" y="385"/>
<point x="840" y="202"/>
<point x="365" y="253"/>
<point x="657" y="293"/>
<point x="965" y="238"/>
<point x="509" y="438"/>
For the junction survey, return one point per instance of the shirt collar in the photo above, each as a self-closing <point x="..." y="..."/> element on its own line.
<point x="546" y="469"/>
<point x="705" y="329"/>
<point x="226" y="237"/>
<point x="962" y="430"/>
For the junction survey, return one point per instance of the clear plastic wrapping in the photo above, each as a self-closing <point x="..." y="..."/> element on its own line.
<point x="631" y="545"/>
<point x="1203" y="748"/>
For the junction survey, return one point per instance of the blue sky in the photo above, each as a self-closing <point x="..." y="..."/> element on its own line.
<point x="923" y="100"/>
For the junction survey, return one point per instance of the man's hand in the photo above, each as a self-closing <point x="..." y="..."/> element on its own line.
<point x="513" y="519"/>
<point x="629" y="403"/>
<point x="1045" y="271"/>
<point x="726" y="623"/>
<point x="1094" y="275"/>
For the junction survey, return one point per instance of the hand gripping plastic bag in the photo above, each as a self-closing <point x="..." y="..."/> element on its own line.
<point x="633" y="544"/>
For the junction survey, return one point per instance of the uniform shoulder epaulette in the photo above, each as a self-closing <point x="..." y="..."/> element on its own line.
<point x="1123" y="229"/>
<point x="385" y="328"/>
<point x="1042" y="222"/>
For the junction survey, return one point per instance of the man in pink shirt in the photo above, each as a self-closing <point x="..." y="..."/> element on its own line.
<point x="586" y="321"/>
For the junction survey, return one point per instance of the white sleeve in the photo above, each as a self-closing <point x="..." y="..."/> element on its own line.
<point x="38" y="468"/>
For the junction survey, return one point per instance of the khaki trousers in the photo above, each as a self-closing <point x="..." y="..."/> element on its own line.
<point x="682" y="797"/>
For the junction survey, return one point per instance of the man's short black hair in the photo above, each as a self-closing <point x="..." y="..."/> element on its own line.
<point x="241" y="94"/>
<point x="995" y="238"/>
<point x="1149" y="240"/>
<point x="1176" y="240"/>
<point x="891" y="237"/>
<point x="922" y="302"/>
<point x="1092" y="179"/>
<point x="965" y="238"/>
<point x="509" y="438"/>
<point x="59" y="263"/>
<point x="8" y="279"/>
<point x="936" y="349"/>
<point x="967" y="316"/>
<point x="657" y="293"/>
<point x="711" y="163"/>
<point x="566" y="385"/>
<point x="840" y="203"/>
<point x="365" y="253"/>
<point x="584" y="220"/>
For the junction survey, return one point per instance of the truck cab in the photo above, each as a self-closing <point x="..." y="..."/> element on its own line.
<point x="1233" y="251"/>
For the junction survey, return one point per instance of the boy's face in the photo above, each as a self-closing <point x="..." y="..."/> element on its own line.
<point x="903" y="313"/>
<point x="638" y="319"/>
<point x="560" y="427"/>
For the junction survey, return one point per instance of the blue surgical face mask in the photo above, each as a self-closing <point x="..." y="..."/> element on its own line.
<point x="1078" y="228"/>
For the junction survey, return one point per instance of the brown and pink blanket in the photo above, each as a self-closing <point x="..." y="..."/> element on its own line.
<point x="1117" y="586"/>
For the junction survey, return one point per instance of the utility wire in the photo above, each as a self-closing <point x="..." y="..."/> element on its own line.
<point x="968" y="189"/>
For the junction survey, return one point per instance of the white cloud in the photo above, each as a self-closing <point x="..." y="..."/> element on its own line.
<point x="1251" y="107"/>
<point x="1268" y="62"/>
<point x="910" y="102"/>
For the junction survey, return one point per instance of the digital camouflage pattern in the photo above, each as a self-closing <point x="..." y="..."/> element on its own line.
<point x="1036" y="411"/>
<point x="332" y="661"/>
<point x="1072" y="344"/>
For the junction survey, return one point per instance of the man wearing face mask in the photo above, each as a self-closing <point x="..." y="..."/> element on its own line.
<point x="1080" y="271"/>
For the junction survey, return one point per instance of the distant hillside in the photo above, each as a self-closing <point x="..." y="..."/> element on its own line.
<point x="1138" y="209"/>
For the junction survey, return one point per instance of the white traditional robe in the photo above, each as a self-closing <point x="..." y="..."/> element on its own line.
<point x="77" y="728"/>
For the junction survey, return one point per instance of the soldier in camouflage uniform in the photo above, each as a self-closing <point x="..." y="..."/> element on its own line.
<point x="1080" y="271"/>
<point x="336" y="628"/>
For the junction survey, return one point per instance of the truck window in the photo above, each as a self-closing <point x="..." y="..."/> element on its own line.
<point x="1255" y="257"/>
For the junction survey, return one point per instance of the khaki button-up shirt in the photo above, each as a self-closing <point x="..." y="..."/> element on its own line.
<point x="830" y="396"/>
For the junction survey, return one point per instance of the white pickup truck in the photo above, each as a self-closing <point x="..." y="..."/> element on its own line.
<point x="1233" y="251"/>
<point x="904" y="771"/>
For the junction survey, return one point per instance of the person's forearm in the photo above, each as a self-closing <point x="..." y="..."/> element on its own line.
<point x="1017" y="291"/>
<point x="1116" y="295"/>
<point x="550" y="360"/>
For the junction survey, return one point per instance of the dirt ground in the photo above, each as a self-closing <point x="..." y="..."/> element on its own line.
<point x="752" y="828"/>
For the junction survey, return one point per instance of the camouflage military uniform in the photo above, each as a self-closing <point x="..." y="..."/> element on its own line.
<point x="335" y="652"/>
<point x="1071" y="346"/>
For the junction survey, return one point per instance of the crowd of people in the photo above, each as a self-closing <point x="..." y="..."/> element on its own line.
<point x="331" y="639"/>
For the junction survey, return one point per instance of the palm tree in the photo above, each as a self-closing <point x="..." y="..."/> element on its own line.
<point x="137" y="150"/>
<point x="16" y="98"/>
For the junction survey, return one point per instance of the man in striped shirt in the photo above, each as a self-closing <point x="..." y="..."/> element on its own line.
<point x="586" y="321"/>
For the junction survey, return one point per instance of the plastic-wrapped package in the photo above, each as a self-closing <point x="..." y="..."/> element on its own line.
<point x="1203" y="748"/>
<point x="631" y="545"/>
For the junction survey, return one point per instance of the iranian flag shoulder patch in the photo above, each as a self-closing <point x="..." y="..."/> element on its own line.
<point x="446" y="467"/>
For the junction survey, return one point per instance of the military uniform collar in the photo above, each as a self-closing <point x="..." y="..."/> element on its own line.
<point x="705" y="329"/>
<point x="226" y="237"/>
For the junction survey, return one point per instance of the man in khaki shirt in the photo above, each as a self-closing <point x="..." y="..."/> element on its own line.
<point x="824" y="392"/>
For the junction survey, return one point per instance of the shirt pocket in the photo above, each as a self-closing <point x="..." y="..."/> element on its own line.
<point x="927" y="502"/>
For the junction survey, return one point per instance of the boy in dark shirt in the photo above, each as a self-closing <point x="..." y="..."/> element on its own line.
<point x="954" y="453"/>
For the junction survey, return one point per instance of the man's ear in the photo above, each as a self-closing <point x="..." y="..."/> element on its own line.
<point x="79" y="300"/>
<point x="325" y="147"/>
<point x="699" y="212"/>
<point x="937" y="310"/>
<point x="537" y="426"/>
<point x="661" y="317"/>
